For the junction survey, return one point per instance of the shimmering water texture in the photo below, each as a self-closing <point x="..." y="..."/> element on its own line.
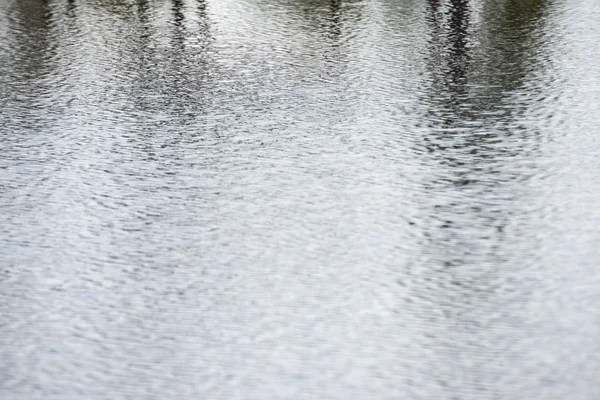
<point x="300" y="199"/>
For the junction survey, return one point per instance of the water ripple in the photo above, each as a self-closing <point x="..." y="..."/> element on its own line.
<point x="299" y="199"/>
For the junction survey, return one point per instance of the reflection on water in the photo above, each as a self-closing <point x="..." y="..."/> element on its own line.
<point x="299" y="199"/>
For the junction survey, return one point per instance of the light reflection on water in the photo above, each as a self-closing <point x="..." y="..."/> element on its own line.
<point x="299" y="199"/>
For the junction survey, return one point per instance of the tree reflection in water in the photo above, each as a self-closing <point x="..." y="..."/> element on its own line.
<point x="314" y="197"/>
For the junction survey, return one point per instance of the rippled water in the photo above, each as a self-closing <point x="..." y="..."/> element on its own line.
<point x="300" y="199"/>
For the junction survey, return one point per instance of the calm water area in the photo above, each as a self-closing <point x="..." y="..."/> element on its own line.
<point x="300" y="199"/>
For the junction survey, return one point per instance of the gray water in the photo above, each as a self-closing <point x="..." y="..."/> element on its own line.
<point x="300" y="199"/>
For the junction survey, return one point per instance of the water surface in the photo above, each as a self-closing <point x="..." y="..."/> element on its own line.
<point x="299" y="199"/>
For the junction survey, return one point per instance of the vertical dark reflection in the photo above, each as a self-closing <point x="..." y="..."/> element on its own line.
<point x="143" y="54"/>
<point x="331" y="23"/>
<point x="178" y="50"/>
<point x="201" y="12"/>
<point x="27" y="61"/>
<point x="475" y="146"/>
<point x="334" y="53"/>
<point x="450" y="58"/>
<point x="460" y="237"/>
<point x="511" y="33"/>
<point x="30" y="31"/>
<point x="142" y="9"/>
<point x="71" y="11"/>
<point x="458" y="61"/>
<point x="30" y="61"/>
<point x="171" y="86"/>
<point x="189" y="59"/>
<point x="178" y="18"/>
<point x="203" y="35"/>
<point x="468" y="114"/>
<point x="144" y="26"/>
<point x="475" y="134"/>
<point x="449" y="116"/>
<point x="335" y="27"/>
<point x="145" y="50"/>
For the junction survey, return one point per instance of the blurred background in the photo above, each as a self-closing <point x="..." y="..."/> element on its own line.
<point x="299" y="199"/>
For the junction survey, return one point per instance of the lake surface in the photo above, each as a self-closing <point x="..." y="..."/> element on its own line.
<point x="300" y="199"/>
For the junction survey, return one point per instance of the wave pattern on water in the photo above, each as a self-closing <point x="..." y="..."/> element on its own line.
<point x="299" y="199"/>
